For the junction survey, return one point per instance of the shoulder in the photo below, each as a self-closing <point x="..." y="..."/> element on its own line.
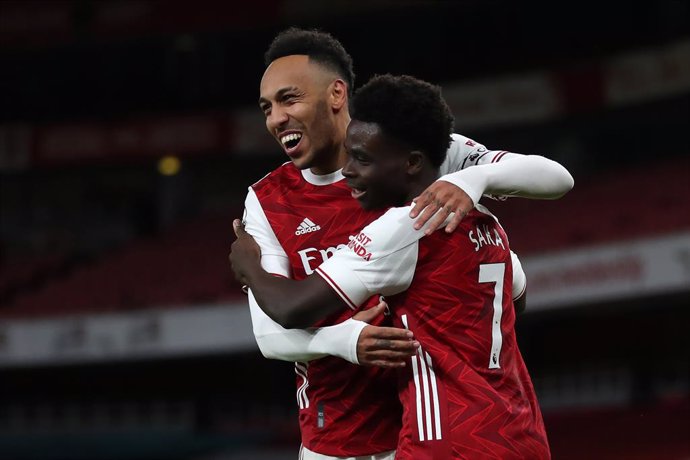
<point x="285" y="176"/>
<point x="461" y="153"/>
<point x="464" y="144"/>
<point x="390" y="232"/>
<point x="459" y="139"/>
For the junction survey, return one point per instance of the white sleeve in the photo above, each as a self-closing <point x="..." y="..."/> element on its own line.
<point x="519" y="277"/>
<point x="502" y="173"/>
<point x="273" y="257"/>
<point x="276" y="342"/>
<point x="463" y="153"/>
<point x="381" y="259"/>
<point x="298" y="345"/>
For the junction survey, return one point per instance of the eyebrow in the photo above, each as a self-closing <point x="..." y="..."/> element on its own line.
<point x="356" y="151"/>
<point x="279" y="93"/>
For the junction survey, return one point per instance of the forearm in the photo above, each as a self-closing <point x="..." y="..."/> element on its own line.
<point x="528" y="176"/>
<point x="291" y="303"/>
<point x="301" y="345"/>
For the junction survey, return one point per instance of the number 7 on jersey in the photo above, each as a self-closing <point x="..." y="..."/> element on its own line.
<point x="493" y="273"/>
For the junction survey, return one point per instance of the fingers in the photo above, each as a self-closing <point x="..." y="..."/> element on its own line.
<point x="394" y="355"/>
<point x="436" y="215"/>
<point x="438" y="220"/>
<point x="385" y="346"/>
<point x="383" y="358"/>
<point x="238" y="227"/>
<point x="455" y="221"/>
<point x="436" y="203"/>
<point x="428" y="212"/>
<point x="386" y="333"/>
<point x="369" y="315"/>
<point x="406" y="346"/>
<point x="421" y="202"/>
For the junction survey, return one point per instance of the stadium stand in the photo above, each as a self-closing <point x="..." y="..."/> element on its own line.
<point x="187" y="265"/>
<point x="639" y="201"/>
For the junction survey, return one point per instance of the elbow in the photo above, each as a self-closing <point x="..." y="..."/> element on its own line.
<point x="266" y="351"/>
<point x="567" y="182"/>
<point x="273" y="346"/>
<point x="270" y="350"/>
<point x="563" y="181"/>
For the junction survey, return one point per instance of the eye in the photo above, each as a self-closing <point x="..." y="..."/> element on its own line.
<point x="360" y="158"/>
<point x="266" y="109"/>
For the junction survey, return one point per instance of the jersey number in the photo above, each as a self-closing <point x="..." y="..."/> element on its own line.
<point x="493" y="273"/>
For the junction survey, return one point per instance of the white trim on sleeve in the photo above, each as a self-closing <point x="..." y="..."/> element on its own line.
<point x="344" y="282"/>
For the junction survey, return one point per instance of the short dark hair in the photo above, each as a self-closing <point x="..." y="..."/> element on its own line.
<point x="408" y="109"/>
<point x="321" y="47"/>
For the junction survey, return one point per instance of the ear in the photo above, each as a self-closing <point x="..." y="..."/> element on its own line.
<point x="338" y="94"/>
<point x="415" y="162"/>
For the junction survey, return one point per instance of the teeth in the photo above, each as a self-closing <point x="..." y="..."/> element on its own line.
<point x="290" y="137"/>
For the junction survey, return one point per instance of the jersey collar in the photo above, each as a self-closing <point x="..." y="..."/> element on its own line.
<point x="325" y="179"/>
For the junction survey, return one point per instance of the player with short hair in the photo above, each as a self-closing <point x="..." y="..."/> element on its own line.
<point x="466" y="392"/>
<point x="303" y="211"/>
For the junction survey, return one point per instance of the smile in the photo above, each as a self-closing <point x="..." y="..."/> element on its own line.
<point x="357" y="193"/>
<point x="290" y="141"/>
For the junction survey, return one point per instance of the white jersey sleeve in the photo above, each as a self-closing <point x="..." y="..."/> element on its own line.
<point x="519" y="277"/>
<point x="381" y="259"/>
<point x="529" y="176"/>
<point x="465" y="152"/>
<point x="302" y="345"/>
<point x="273" y="257"/>
<point x="274" y="341"/>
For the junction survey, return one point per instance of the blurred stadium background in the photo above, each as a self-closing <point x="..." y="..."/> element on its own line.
<point x="129" y="132"/>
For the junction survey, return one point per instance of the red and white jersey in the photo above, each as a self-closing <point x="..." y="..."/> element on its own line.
<point x="467" y="393"/>
<point x="345" y="409"/>
<point x="299" y="220"/>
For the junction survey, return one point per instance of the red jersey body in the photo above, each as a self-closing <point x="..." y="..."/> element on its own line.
<point x="345" y="409"/>
<point x="467" y="393"/>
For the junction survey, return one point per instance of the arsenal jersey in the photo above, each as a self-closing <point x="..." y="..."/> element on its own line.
<point x="467" y="393"/>
<point x="345" y="409"/>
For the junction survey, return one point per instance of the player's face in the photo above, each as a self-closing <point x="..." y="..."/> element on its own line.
<point x="294" y="96"/>
<point x="376" y="167"/>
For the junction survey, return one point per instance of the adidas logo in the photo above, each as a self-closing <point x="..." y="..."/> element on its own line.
<point x="307" y="226"/>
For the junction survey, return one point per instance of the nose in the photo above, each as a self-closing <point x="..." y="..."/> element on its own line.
<point x="349" y="169"/>
<point x="277" y="118"/>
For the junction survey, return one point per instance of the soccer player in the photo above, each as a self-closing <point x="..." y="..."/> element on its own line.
<point x="303" y="211"/>
<point x="466" y="393"/>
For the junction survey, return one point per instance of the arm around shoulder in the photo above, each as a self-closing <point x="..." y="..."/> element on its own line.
<point x="527" y="176"/>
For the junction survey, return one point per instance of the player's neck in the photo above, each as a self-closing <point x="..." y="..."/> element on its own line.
<point x="336" y="159"/>
<point x="420" y="183"/>
<point x="332" y="163"/>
